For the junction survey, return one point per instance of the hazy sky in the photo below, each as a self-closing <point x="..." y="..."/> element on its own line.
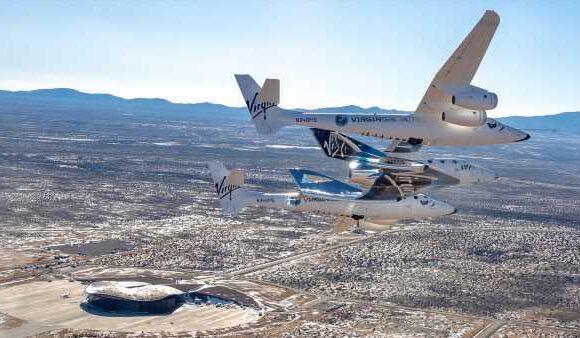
<point x="326" y="53"/>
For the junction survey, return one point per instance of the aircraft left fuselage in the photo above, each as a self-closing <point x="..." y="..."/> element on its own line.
<point x="406" y="127"/>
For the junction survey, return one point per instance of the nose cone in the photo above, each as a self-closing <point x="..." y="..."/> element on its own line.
<point x="516" y="135"/>
<point x="439" y="208"/>
<point x="526" y="137"/>
<point x="488" y="175"/>
<point x="424" y="206"/>
<point x="447" y="209"/>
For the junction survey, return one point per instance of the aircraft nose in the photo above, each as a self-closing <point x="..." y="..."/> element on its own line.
<point x="484" y="175"/>
<point x="527" y="137"/>
<point x="490" y="175"/>
<point x="447" y="209"/>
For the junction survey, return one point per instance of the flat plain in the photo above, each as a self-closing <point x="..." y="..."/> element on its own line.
<point x="134" y="193"/>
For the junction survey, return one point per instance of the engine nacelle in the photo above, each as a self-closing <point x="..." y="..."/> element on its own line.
<point x="475" y="98"/>
<point x="466" y="118"/>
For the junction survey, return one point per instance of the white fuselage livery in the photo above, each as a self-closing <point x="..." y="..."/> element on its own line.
<point x="446" y="172"/>
<point x="376" y="211"/>
<point x="464" y="171"/>
<point x="406" y="128"/>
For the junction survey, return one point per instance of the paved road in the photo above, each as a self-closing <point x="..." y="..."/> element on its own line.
<point x="302" y="255"/>
<point x="490" y="329"/>
<point x="299" y="256"/>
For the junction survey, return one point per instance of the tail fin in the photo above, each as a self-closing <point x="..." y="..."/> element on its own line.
<point x="263" y="103"/>
<point x="228" y="186"/>
<point x="340" y="146"/>
<point x="270" y="93"/>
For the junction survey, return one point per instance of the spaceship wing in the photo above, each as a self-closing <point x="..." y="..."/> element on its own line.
<point x="313" y="183"/>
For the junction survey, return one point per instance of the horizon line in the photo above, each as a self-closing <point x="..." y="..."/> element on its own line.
<point x="237" y="107"/>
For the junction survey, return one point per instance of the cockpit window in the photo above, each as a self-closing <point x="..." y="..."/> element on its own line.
<point x="427" y="202"/>
<point x="295" y="202"/>
<point x="491" y="124"/>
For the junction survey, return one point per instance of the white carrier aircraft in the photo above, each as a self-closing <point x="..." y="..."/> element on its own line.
<point x="322" y="194"/>
<point x="452" y="111"/>
<point x="386" y="174"/>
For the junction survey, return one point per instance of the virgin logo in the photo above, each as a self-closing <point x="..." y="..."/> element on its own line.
<point x="334" y="146"/>
<point x="224" y="189"/>
<point x="257" y="108"/>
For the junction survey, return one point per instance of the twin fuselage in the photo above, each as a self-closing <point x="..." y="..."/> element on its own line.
<point x="406" y="127"/>
<point x="435" y="173"/>
<point x="418" y="206"/>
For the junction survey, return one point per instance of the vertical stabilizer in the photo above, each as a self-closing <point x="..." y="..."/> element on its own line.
<point x="262" y="103"/>
<point x="228" y="187"/>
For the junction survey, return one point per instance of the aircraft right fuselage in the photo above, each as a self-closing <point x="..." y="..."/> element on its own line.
<point x="418" y="206"/>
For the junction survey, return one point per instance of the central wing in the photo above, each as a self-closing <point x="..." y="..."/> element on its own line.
<point x="339" y="146"/>
<point x="459" y="69"/>
<point x="312" y="183"/>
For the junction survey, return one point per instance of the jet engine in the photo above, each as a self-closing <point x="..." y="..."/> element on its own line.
<point x="466" y="118"/>
<point x="471" y="103"/>
<point x="474" y="98"/>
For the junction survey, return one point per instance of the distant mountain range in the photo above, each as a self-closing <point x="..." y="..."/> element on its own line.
<point x="64" y="102"/>
<point x="569" y="122"/>
<point x="70" y="103"/>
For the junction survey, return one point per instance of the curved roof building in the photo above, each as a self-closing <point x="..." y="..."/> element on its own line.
<point x="133" y="297"/>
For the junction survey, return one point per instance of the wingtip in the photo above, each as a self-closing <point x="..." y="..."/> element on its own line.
<point x="242" y="76"/>
<point x="527" y="137"/>
<point x="491" y="16"/>
<point x="295" y="173"/>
